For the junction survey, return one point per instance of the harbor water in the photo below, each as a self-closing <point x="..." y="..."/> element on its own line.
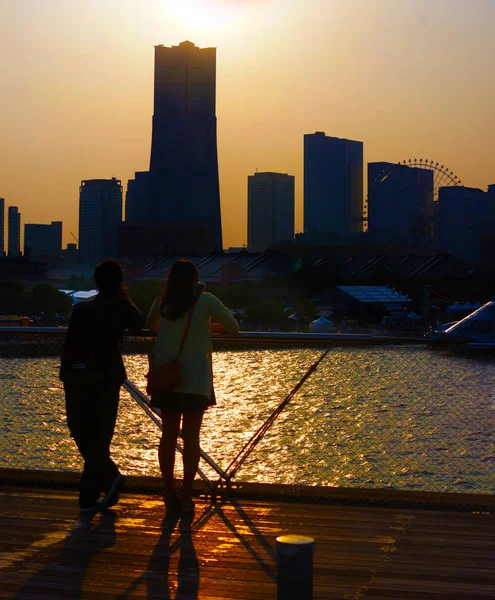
<point x="402" y="417"/>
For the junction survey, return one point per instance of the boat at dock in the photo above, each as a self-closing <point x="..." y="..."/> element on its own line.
<point x="476" y="331"/>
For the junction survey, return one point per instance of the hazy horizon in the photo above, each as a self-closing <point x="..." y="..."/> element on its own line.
<point x="409" y="78"/>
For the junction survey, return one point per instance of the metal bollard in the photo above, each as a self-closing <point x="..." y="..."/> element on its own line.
<point x="295" y="567"/>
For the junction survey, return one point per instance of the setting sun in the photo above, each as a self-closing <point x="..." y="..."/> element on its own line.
<point x="205" y="15"/>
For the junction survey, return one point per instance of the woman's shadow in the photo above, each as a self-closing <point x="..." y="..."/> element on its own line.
<point x="84" y="541"/>
<point x="158" y="572"/>
<point x="157" y="576"/>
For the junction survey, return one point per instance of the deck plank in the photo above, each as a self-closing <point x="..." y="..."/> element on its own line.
<point x="228" y="551"/>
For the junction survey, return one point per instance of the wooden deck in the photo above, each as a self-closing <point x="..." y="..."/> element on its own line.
<point x="228" y="550"/>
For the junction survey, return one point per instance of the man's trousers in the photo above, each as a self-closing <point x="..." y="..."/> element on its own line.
<point x="91" y="416"/>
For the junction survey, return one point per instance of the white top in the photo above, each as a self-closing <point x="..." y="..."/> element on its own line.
<point x="197" y="375"/>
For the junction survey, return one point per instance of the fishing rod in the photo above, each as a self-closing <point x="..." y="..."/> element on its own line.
<point x="155" y="415"/>
<point x="249" y="446"/>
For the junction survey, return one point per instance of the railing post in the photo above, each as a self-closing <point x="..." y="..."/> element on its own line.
<point x="295" y="567"/>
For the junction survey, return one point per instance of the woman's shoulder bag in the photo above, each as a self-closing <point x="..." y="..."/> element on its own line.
<point x="167" y="376"/>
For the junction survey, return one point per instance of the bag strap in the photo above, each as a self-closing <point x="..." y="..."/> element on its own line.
<point x="188" y="324"/>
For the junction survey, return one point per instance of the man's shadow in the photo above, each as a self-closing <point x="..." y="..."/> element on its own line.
<point x="89" y="535"/>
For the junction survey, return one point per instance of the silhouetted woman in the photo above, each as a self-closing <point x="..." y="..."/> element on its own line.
<point x="194" y="395"/>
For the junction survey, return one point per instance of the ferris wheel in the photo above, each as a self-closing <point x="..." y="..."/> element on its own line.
<point x="442" y="175"/>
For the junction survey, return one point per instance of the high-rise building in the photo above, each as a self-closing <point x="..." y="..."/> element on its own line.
<point x="2" y="226"/>
<point x="270" y="210"/>
<point x="136" y="198"/>
<point x="14" y="235"/>
<point x="333" y="184"/>
<point x="183" y="184"/>
<point x="463" y="215"/>
<point x="100" y="212"/>
<point x="43" y="242"/>
<point x="401" y="206"/>
<point x="490" y="208"/>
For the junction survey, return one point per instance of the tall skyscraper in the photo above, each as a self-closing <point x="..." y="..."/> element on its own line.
<point x="184" y="186"/>
<point x="100" y="212"/>
<point x="333" y="184"/>
<point x="14" y="231"/>
<point x="43" y="242"/>
<point x="400" y="205"/>
<point x="270" y="210"/>
<point x="2" y="226"/>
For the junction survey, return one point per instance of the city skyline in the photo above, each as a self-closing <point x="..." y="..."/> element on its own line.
<point x="415" y="81"/>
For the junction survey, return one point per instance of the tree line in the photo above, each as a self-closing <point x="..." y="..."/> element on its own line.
<point x="41" y="299"/>
<point x="263" y="303"/>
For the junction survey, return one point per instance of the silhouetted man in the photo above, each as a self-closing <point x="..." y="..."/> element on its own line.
<point x="93" y="371"/>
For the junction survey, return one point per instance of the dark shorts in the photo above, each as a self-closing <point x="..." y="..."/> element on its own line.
<point x="182" y="402"/>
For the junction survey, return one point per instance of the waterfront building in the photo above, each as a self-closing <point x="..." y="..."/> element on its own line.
<point x="490" y="209"/>
<point x="463" y="216"/>
<point x="487" y="241"/>
<point x="2" y="226"/>
<point x="401" y="205"/>
<point x="43" y="242"/>
<point x="183" y="180"/>
<point x="136" y="198"/>
<point x="70" y="257"/>
<point x="333" y="184"/>
<point x="14" y="233"/>
<point x="100" y="213"/>
<point x="270" y="210"/>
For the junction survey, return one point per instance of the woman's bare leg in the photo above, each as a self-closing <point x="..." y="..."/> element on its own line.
<point x="191" y="425"/>
<point x="166" y="449"/>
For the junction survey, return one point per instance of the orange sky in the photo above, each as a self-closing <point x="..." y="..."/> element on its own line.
<point x="410" y="78"/>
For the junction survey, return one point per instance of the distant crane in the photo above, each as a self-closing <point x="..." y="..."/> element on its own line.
<point x="74" y="238"/>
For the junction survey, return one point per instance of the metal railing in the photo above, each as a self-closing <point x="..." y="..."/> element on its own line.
<point x="375" y="414"/>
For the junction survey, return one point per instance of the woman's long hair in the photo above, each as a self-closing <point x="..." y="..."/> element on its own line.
<point x="180" y="289"/>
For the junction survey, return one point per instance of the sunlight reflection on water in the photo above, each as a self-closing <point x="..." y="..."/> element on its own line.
<point x="402" y="417"/>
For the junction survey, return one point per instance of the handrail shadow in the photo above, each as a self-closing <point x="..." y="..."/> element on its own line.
<point x="156" y="577"/>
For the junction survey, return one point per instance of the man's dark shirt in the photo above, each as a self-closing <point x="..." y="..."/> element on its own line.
<point x="95" y="329"/>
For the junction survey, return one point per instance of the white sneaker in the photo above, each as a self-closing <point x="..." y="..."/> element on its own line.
<point x="112" y="496"/>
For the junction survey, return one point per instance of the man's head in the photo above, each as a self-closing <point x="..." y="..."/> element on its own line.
<point x="108" y="277"/>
